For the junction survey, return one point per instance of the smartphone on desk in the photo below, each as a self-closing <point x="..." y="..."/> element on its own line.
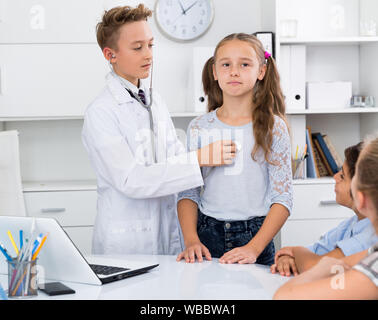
<point x="55" y="288"/>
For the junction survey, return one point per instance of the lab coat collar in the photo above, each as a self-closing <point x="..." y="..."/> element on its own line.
<point x="119" y="92"/>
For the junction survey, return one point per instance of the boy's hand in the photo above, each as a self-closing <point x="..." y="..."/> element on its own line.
<point x="217" y="153"/>
<point x="192" y="250"/>
<point x="242" y="255"/>
<point x="285" y="265"/>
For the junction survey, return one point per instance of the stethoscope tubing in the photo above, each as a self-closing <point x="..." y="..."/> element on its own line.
<point x="147" y="106"/>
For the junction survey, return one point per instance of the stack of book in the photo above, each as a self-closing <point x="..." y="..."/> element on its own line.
<point x="323" y="159"/>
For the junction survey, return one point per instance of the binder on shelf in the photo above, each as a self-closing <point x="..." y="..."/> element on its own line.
<point x="321" y="162"/>
<point x="293" y="75"/>
<point x="334" y="153"/>
<point x="200" y="56"/>
<point x="312" y="170"/>
<point x="325" y="151"/>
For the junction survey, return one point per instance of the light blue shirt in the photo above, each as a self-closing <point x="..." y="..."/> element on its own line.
<point x="351" y="236"/>
<point x="247" y="188"/>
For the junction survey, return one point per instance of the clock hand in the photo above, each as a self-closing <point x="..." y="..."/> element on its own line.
<point x="182" y="7"/>
<point x="190" y="7"/>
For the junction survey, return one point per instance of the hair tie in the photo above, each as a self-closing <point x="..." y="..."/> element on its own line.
<point x="267" y="55"/>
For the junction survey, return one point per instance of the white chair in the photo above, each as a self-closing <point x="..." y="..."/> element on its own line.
<point x="11" y="196"/>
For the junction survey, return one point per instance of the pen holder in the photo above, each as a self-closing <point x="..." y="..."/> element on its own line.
<point x="22" y="279"/>
<point x="298" y="168"/>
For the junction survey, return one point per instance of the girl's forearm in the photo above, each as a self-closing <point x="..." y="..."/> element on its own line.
<point x="187" y="215"/>
<point x="273" y="222"/>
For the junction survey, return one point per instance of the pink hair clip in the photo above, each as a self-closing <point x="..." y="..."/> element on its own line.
<point x="267" y="55"/>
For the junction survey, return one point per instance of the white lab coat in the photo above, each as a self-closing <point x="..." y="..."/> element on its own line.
<point x="136" y="205"/>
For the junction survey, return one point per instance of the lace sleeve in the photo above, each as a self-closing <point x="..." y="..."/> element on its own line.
<point x="193" y="143"/>
<point x="280" y="176"/>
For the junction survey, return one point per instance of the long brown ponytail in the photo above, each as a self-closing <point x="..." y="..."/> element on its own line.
<point x="268" y="99"/>
<point x="367" y="170"/>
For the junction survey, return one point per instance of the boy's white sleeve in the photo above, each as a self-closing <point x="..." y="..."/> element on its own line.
<point x="114" y="161"/>
<point x="193" y="143"/>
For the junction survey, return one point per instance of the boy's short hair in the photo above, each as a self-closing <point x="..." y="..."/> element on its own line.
<point x="108" y="29"/>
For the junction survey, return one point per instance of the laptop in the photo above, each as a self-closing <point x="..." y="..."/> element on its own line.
<point x="59" y="259"/>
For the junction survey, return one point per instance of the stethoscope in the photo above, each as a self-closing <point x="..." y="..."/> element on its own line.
<point x="147" y="106"/>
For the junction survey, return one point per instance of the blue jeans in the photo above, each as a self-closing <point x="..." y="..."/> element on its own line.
<point x="222" y="236"/>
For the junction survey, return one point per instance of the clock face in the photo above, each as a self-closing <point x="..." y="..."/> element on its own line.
<point x="184" y="20"/>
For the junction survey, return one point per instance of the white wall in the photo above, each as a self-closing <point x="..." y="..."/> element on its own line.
<point x="52" y="150"/>
<point x="173" y="60"/>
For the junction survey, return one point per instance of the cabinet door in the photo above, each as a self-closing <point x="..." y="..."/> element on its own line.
<point x="317" y="201"/>
<point x="49" y="80"/>
<point x="81" y="237"/>
<point x="70" y="208"/>
<point x="49" y="21"/>
<point x="305" y="232"/>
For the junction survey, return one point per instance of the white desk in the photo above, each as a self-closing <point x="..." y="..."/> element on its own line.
<point x="173" y="280"/>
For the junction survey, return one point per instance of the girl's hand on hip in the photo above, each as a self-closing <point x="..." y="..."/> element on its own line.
<point x="242" y="255"/>
<point x="196" y="249"/>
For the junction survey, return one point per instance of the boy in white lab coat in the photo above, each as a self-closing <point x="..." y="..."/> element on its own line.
<point x="137" y="182"/>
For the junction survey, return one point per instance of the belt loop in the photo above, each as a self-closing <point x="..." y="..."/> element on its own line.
<point x="246" y="225"/>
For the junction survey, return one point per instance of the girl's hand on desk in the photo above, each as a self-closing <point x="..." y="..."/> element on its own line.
<point x="193" y="250"/>
<point x="242" y="255"/>
<point x="285" y="265"/>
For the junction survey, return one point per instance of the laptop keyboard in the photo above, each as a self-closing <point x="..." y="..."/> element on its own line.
<point x="106" y="270"/>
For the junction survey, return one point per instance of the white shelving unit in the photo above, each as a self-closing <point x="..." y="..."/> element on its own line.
<point x="335" y="51"/>
<point x="326" y="41"/>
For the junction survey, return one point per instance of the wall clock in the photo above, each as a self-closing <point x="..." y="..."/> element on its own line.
<point x="184" y="20"/>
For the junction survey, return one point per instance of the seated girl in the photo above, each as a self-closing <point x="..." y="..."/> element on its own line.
<point x="349" y="237"/>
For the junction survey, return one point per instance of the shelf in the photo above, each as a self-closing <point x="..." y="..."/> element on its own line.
<point x="186" y="114"/>
<point x="197" y="114"/>
<point x="330" y="41"/>
<point x="81" y="117"/>
<point x="90" y="185"/>
<point x="44" y="186"/>
<point x="324" y="180"/>
<point x="332" y="111"/>
<point x="47" y="118"/>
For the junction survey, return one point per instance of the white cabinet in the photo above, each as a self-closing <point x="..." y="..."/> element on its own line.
<point x="316" y="201"/>
<point x="70" y="208"/>
<point x="338" y="48"/>
<point x="315" y="212"/>
<point x="75" y="210"/>
<point x="306" y="232"/>
<point x="49" y="80"/>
